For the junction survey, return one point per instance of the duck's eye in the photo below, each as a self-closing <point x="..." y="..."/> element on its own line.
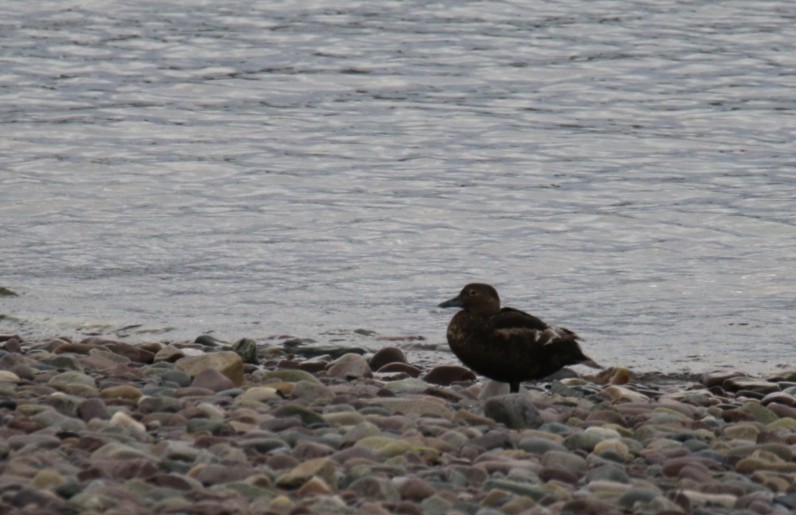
<point x="472" y="293"/>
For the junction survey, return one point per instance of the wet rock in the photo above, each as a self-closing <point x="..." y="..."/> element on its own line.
<point x="386" y="356"/>
<point x="515" y="411"/>
<point x="209" y="341"/>
<point x="226" y="362"/>
<point x="711" y="379"/>
<point x="213" y="380"/>
<point x="735" y="384"/>
<point x="349" y="366"/>
<point x="123" y="391"/>
<point x="446" y="375"/>
<point x="400" y="368"/>
<point x="169" y="353"/>
<point x="130" y="352"/>
<point x="783" y="398"/>
<point x="246" y="348"/>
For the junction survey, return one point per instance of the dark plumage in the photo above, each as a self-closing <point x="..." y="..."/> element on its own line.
<point x="506" y="344"/>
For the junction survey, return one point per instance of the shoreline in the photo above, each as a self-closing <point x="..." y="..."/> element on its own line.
<point x="99" y="425"/>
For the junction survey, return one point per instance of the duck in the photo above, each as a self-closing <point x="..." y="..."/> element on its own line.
<point x="505" y="344"/>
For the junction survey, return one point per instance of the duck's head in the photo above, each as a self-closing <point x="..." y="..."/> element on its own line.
<point x="478" y="298"/>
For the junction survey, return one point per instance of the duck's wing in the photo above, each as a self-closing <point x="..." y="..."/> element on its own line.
<point x="515" y="324"/>
<point x="545" y="348"/>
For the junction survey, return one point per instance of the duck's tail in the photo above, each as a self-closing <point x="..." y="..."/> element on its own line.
<point x="590" y="363"/>
<point x="569" y="353"/>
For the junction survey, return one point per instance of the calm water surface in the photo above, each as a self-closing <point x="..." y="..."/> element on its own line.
<point x="625" y="169"/>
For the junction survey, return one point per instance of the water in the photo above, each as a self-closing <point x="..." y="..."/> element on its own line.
<point x="625" y="169"/>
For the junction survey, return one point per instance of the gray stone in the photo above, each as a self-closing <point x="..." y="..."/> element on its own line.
<point x="307" y="416"/>
<point x="375" y="487"/>
<point x="514" y="410"/>
<point x="608" y="472"/>
<point x="537" y="445"/>
<point x="565" y="461"/>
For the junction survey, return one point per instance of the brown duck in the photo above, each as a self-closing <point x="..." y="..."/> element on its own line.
<point x="506" y="344"/>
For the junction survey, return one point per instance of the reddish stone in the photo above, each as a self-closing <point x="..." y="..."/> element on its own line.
<point x="213" y="380"/>
<point x="385" y="356"/>
<point x="549" y="473"/>
<point x="415" y="489"/>
<point x="131" y="352"/>
<point x="93" y="408"/>
<point x="171" y="481"/>
<point x="447" y="374"/>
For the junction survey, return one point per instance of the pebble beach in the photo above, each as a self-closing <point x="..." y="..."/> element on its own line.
<point x="205" y="427"/>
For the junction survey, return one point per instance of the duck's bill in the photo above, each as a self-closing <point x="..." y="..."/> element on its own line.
<point x="455" y="302"/>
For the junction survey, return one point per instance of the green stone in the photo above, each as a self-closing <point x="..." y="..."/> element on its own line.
<point x="759" y="412"/>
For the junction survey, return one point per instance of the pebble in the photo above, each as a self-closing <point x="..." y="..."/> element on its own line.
<point x="213" y="380"/>
<point x="226" y="362"/>
<point x="386" y="356"/>
<point x="448" y="374"/>
<point x="106" y="426"/>
<point x="246" y="348"/>
<point x="349" y="366"/>
<point x="515" y="411"/>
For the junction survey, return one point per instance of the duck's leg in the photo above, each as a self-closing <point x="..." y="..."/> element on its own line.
<point x="514" y="387"/>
